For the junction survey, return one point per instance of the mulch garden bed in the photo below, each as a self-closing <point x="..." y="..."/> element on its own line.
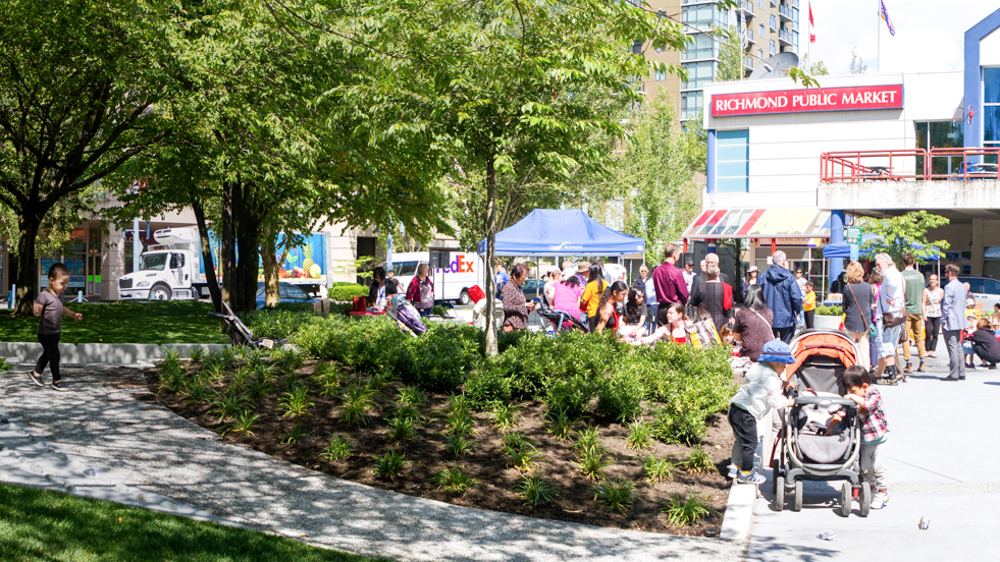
<point x="486" y="463"/>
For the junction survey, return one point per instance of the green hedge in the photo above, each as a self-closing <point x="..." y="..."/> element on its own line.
<point x="829" y="310"/>
<point x="571" y="373"/>
<point x="346" y="291"/>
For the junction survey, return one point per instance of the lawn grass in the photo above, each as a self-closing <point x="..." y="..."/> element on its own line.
<point x="46" y="525"/>
<point x="125" y="322"/>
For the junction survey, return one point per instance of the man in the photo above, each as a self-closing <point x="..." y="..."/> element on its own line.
<point x="391" y="284"/>
<point x="501" y="278"/>
<point x="568" y="269"/>
<point x="710" y="259"/>
<point x="782" y="295"/>
<point x="891" y="301"/>
<point x="668" y="281"/>
<point x="953" y="312"/>
<point x="689" y="274"/>
<point x="801" y="282"/>
<point x="914" y="293"/>
<point x="583" y="272"/>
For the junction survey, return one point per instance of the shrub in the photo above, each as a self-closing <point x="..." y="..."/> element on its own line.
<point x="227" y="404"/>
<point x="367" y="344"/>
<point x="638" y="435"/>
<point x="521" y="451"/>
<point x="570" y="396"/>
<point x="829" y="310"/>
<point x="592" y="463"/>
<point x="410" y="396"/>
<point x="437" y="360"/>
<point x="657" y="470"/>
<point x="536" y="361"/>
<point x="455" y="479"/>
<point x="277" y="323"/>
<point x="699" y="462"/>
<point x="459" y="422"/>
<point x="683" y="512"/>
<point x="346" y="292"/>
<point x="439" y="310"/>
<point x="457" y="445"/>
<point x="678" y="425"/>
<point x="389" y="465"/>
<point x="294" y="435"/>
<point x="619" y="397"/>
<point x="559" y="424"/>
<point x="358" y="403"/>
<point x="337" y="449"/>
<point x="401" y="429"/>
<point x="533" y="490"/>
<point x="296" y="402"/>
<point x="615" y="495"/>
<point x="243" y="423"/>
<point x="504" y="416"/>
<point x="487" y="387"/>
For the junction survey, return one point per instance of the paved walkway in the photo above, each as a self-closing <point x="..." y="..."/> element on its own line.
<point x="944" y="454"/>
<point x="112" y="422"/>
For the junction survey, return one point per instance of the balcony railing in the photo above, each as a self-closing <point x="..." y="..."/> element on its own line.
<point x="909" y="165"/>
<point x="748" y="8"/>
<point x="785" y="12"/>
<point x="784" y="37"/>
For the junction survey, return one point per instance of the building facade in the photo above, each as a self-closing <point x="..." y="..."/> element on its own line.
<point x="790" y="166"/>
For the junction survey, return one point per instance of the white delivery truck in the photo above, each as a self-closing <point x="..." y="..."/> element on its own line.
<point x="167" y="270"/>
<point x="456" y="274"/>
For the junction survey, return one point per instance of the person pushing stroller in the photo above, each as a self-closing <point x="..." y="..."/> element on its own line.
<point x="753" y="402"/>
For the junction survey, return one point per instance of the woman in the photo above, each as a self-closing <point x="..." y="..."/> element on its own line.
<point x="875" y="279"/>
<point x="592" y="295"/>
<point x="809" y="305"/>
<point x="555" y="276"/>
<point x="634" y="325"/>
<point x="715" y="296"/>
<point x="421" y="291"/>
<point x="566" y="296"/>
<point x="933" y="295"/>
<point x="984" y="343"/>
<point x="672" y="321"/>
<point x="515" y="309"/>
<point x="750" y="281"/>
<point x="754" y="322"/>
<point x="607" y="315"/>
<point x="380" y="291"/>
<point x="859" y="298"/>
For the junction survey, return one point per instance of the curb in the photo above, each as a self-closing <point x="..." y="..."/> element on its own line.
<point x="78" y="354"/>
<point x="737" y="523"/>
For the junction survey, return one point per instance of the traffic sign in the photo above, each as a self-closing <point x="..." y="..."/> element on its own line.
<point x="852" y="235"/>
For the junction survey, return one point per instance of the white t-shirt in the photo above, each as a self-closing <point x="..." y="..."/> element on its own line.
<point x="892" y="288"/>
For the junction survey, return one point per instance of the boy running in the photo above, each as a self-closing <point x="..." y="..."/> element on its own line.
<point x="48" y="306"/>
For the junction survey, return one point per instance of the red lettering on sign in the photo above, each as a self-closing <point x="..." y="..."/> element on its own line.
<point x="802" y="100"/>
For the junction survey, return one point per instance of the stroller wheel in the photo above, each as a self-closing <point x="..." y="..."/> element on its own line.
<point x="779" y="493"/>
<point x="797" y="501"/>
<point x="845" y="499"/>
<point x="865" y="497"/>
<point x="775" y="471"/>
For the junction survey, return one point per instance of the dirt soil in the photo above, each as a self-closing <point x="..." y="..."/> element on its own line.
<point x="486" y="462"/>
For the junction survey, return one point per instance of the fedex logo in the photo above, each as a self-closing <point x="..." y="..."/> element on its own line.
<point x="460" y="264"/>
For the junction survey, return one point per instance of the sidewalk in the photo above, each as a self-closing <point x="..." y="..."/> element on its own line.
<point x="944" y="454"/>
<point x="112" y="422"/>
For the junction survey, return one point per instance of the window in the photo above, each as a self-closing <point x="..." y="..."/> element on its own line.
<point x="637" y="47"/>
<point x="702" y="48"/>
<point x="975" y="285"/>
<point x="940" y="134"/>
<point x="774" y="23"/>
<point x="732" y="161"/>
<point x="760" y="3"/>
<point x="991" y="287"/>
<point x="691" y="104"/>
<point x="661" y="76"/>
<point x="760" y="54"/>
<point x="760" y="31"/>
<point x="772" y="46"/>
<point x="699" y="74"/>
<point x="704" y="17"/>
<point x="991" y="106"/>
<point x="176" y="261"/>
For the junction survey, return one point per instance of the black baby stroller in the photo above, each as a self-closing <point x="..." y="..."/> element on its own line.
<point x="240" y="334"/>
<point x="804" y="450"/>
<point x="561" y="320"/>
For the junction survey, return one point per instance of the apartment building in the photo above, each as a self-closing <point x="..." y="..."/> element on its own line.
<point x="772" y="27"/>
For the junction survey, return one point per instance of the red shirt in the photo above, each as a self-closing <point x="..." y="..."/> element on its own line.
<point x="669" y="284"/>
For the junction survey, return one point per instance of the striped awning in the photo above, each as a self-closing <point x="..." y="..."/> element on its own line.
<point x="760" y="223"/>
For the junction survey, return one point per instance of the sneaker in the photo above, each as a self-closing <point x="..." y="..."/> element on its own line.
<point x="880" y="500"/>
<point x="36" y="379"/>
<point x="732" y="472"/>
<point x="992" y="367"/>
<point x="58" y="386"/>
<point x="753" y="477"/>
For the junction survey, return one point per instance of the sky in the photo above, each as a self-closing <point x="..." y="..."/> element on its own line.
<point x="929" y="33"/>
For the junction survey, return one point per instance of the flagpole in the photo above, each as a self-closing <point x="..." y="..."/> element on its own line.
<point x="878" y="34"/>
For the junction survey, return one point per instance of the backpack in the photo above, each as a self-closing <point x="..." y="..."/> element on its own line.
<point x="426" y="296"/>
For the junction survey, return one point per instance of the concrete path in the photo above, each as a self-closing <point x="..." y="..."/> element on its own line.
<point x="111" y="421"/>
<point x="944" y="454"/>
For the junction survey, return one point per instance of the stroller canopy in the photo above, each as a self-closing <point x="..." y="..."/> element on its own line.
<point x="837" y="349"/>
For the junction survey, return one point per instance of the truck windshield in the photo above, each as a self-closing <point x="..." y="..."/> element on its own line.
<point x="154" y="262"/>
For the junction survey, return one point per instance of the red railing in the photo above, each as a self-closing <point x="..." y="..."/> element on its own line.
<point x="909" y="164"/>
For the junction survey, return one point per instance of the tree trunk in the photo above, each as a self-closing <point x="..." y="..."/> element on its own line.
<point x="27" y="271"/>
<point x="206" y="255"/>
<point x="268" y="255"/>
<point x="228" y="243"/>
<point x="247" y="249"/>
<point x="492" y="349"/>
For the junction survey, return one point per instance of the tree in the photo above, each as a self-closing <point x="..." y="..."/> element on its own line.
<point x="78" y="82"/>
<point x="817" y="68"/>
<point x="656" y="170"/>
<point x="858" y="65"/>
<point x="906" y="233"/>
<point x="731" y="57"/>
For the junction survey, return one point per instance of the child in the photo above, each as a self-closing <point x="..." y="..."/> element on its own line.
<point x="809" y="305"/>
<point x="972" y="316"/>
<point x="48" y="306"/>
<point x="753" y="402"/>
<point x="874" y="432"/>
<point x="995" y="320"/>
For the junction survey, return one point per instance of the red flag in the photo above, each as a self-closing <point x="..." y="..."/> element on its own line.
<point x="812" y="23"/>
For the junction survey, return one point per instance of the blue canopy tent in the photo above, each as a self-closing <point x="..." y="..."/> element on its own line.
<point x="554" y="232"/>
<point x="844" y="250"/>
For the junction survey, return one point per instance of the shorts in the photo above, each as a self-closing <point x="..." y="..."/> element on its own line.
<point x="889" y="338"/>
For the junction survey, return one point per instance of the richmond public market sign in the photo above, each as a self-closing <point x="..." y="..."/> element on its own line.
<point x="806" y="100"/>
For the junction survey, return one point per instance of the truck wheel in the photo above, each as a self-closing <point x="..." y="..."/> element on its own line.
<point x="463" y="299"/>
<point x="160" y="292"/>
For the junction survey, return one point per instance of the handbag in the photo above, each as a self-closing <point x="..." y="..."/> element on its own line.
<point x="701" y="334"/>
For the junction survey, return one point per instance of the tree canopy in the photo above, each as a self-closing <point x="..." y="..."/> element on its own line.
<point x="905" y="233"/>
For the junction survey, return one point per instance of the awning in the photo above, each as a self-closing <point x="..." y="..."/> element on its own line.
<point x="760" y="223"/>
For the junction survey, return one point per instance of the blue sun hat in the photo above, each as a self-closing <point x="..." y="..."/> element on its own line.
<point x="776" y="351"/>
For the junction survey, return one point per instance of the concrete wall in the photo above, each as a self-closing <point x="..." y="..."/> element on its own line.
<point x="974" y="195"/>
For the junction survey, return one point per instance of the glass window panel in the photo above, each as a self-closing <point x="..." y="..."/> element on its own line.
<point x="991" y="287"/>
<point x="975" y="285"/>
<point x="991" y="85"/>
<point x="732" y="185"/>
<point x="730" y="169"/>
<point x="702" y="48"/>
<point x="741" y="136"/>
<point x="699" y="74"/>
<point x="991" y="123"/>
<point x="731" y="153"/>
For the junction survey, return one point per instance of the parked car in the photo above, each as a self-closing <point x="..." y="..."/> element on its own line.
<point x="531" y="287"/>
<point x="985" y="290"/>
<point x="287" y="292"/>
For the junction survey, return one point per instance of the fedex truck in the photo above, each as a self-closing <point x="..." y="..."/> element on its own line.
<point x="453" y="275"/>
